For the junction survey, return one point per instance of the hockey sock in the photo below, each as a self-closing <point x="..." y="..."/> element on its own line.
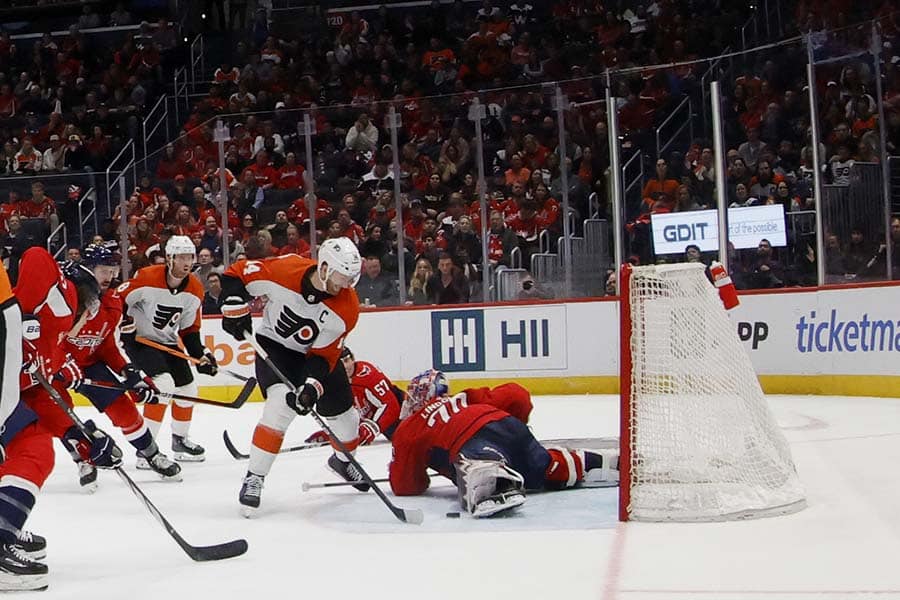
<point x="124" y="415"/>
<point x="266" y="444"/>
<point x="566" y="468"/>
<point x="16" y="501"/>
<point x="181" y="418"/>
<point x="346" y="428"/>
<point x="154" y="415"/>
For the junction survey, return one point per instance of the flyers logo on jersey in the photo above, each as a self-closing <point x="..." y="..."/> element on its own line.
<point x="302" y="329"/>
<point x="166" y="316"/>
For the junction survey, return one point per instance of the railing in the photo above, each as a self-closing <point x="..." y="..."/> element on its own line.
<point x="197" y="62"/>
<point x="684" y="110"/>
<point x="126" y="173"/>
<point x="712" y="73"/>
<point x="180" y="88"/>
<point x="59" y="231"/>
<point x="749" y="32"/>
<point x="156" y="118"/>
<point x="84" y="219"/>
<point x="635" y="166"/>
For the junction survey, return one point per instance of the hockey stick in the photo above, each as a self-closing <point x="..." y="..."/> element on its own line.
<point x="187" y="357"/>
<point x="306" y="486"/>
<point x="236" y="403"/>
<point x="414" y="515"/>
<point x="197" y="553"/>
<point x="238" y="455"/>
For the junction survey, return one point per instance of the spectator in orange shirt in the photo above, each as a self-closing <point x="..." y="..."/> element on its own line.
<point x="438" y="50"/>
<point x="517" y="171"/>
<point x="659" y="185"/>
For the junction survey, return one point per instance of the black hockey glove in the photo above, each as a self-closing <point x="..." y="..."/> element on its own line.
<point x="210" y="367"/>
<point x="140" y="383"/>
<point x="96" y="446"/>
<point x="305" y="397"/>
<point x="236" y="317"/>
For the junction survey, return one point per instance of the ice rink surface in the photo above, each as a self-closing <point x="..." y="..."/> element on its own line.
<point x="339" y="543"/>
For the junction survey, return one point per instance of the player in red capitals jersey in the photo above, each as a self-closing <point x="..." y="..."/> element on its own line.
<point x="163" y="304"/>
<point x="490" y="455"/>
<point x="376" y="399"/>
<point x="98" y="354"/>
<point x="312" y="307"/>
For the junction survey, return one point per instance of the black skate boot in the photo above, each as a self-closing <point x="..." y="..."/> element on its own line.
<point x="19" y="573"/>
<point x="251" y="491"/>
<point x="33" y="545"/>
<point x="347" y="472"/>
<point x="184" y="450"/>
<point x="164" y="467"/>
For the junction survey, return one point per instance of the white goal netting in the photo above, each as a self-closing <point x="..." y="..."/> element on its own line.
<point x="703" y="444"/>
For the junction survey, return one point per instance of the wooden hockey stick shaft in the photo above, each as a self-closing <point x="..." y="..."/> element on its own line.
<point x="185" y="356"/>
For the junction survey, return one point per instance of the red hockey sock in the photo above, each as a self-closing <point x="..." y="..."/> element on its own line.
<point x="566" y="467"/>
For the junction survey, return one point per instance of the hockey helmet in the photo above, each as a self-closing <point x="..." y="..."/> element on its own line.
<point x="180" y="244"/>
<point x="97" y="254"/>
<point x="340" y="255"/>
<point x="87" y="287"/>
<point x="422" y="389"/>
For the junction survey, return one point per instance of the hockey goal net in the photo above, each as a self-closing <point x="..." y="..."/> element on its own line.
<point x="698" y="442"/>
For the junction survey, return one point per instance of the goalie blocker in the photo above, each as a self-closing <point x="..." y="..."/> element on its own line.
<point x="491" y="456"/>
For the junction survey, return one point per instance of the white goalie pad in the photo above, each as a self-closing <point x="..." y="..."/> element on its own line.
<point x="488" y="487"/>
<point x="605" y="476"/>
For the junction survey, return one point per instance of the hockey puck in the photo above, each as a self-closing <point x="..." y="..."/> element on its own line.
<point x="452" y="515"/>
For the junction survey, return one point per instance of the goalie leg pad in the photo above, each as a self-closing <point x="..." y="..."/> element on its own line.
<point x="488" y="487"/>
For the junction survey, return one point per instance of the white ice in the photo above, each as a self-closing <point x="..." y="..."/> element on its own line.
<point x="339" y="543"/>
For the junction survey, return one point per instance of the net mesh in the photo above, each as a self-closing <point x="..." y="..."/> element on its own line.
<point x="704" y="445"/>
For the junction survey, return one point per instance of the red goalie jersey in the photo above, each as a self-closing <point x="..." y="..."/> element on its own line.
<point x="433" y="436"/>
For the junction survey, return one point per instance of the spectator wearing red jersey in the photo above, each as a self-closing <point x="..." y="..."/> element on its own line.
<point x="264" y="174"/>
<point x="547" y="208"/>
<point x="294" y="243"/>
<point x="184" y="223"/>
<point x="290" y="176"/>
<point x="501" y="240"/>
<point x="350" y="228"/>
<point x="298" y="211"/>
<point x="143" y="236"/>
<point x="39" y="206"/>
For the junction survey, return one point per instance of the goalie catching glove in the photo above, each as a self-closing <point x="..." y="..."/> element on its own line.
<point x="303" y="399"/>
<point x="140" y="383"/>
<point x="236" y="317"/>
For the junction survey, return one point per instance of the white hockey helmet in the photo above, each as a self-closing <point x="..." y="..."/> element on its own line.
<point x="180" y="244"/>
<point x="340" y="255"/>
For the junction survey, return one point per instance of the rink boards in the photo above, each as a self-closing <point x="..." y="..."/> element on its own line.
<point x="832" y="340"/>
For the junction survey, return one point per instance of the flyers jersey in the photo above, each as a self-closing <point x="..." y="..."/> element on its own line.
<point x="98" y="340"/>
<point x="375" y="397"/>
<point x="162" y="314"/>
<point x="43" y="291"/>
<point x="305" y="323"/>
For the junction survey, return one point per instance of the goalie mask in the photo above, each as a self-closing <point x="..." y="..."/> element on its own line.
<point x="422" y="389"/>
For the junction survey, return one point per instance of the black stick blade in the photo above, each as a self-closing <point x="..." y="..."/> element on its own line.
<point x="232" y="449"/>
<point x="216" y="552"/>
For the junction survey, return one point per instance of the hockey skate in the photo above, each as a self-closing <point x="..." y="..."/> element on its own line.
<point x="87" y="476"/>
<point x="33" y="545"/>
<point x="251" y="491"/>
<point x="160" y="463"/>
<point x="347" y="472"/>
<point x="185" y="450"/>
<point x="19" y="573"/>
<point x="601" y="468"/>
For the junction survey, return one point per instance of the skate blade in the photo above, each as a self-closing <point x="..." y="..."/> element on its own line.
<point x="173" y="478"/>
<point x="183" y="457"/>
<point x="36" y="556"/>
<point x="23" y="583"/>
<point x="248" y="512"/>
<point x="90" y="488"/>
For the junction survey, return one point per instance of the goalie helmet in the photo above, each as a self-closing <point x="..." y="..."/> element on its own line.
<point x="180" y="244"/>
<point x="340" y="255"/>
<point x="87" y="287"/>
<point x="422" y="389"/>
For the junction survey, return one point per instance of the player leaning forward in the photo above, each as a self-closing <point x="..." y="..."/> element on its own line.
<point x="163" y="304"/>
<point x="311" y="308"/>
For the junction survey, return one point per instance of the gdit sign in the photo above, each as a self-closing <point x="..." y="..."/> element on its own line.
<point x="672" y="232"/>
